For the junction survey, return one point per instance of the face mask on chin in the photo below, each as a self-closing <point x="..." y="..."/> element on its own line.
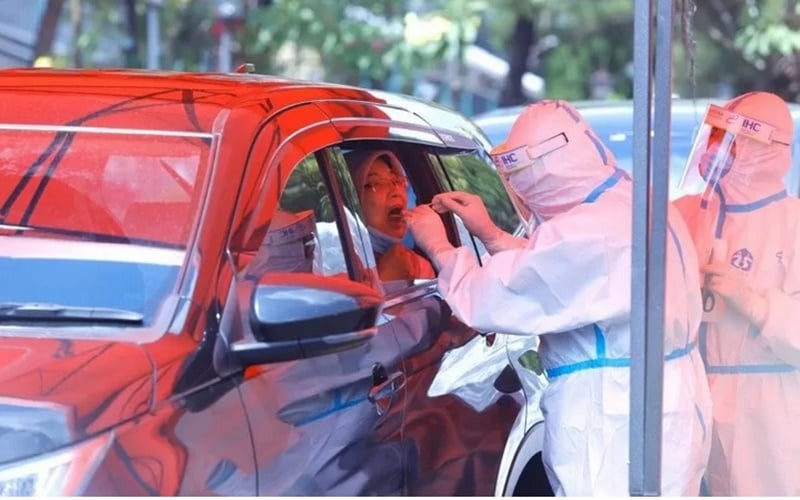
<point x="381" y="242"/>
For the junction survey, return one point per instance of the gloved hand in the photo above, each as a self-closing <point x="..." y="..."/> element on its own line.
<point x="736" y="292"/>
<point x="471" y="209"/>
<point x="428" y="231"/>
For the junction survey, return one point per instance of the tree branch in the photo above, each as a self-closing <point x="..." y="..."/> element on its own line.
<point x="47" y="28"/>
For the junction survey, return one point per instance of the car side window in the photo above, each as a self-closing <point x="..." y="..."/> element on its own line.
<point x="471" y="172"/>
<point x="302" y="235"/>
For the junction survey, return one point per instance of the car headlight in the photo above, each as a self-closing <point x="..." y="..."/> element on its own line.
<point x="62" y="473"/>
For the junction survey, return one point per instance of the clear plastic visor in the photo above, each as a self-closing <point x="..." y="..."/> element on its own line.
<point x="711" y="157"/>
<point x="714" y="149"/>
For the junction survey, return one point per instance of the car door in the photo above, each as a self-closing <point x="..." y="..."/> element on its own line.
<point x="447" y="446"/>
<point x="320" y="425"/>
<point x="471" y="387"/>
<point x="453" y="442"/>
<point x="461" y="394"/>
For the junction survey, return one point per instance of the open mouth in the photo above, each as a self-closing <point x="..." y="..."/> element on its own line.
<point x="395" y="214"/>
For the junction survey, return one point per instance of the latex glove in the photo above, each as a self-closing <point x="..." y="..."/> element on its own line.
<point x="471" y="209"/>
<point x="428" y="231"/>
<point x="736" y="292"/>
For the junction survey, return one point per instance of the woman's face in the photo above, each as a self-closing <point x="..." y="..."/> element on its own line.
<point x="384" y="199"/>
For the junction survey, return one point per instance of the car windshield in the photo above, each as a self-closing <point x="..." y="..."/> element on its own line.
<point x="96" y="218"/>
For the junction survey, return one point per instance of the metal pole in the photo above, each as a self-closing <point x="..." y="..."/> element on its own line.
<point x="153" y="38"/>
<point x="642" y="69"/>
<point x="651" y="179"/>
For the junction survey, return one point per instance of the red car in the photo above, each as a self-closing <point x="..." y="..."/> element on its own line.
<point x="155" y="342"/>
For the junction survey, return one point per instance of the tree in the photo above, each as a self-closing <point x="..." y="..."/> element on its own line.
<point x="356" y="42"/>
<point x="563" y="41"/>
<point x="733" y="46"/>
<point x="751" y="44"/>
<point x="47" y="28"/>
<point x="518" y="54"/>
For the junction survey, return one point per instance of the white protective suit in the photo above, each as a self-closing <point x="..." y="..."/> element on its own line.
<point x="570" y="284"/>
<point x="748" y="339"/>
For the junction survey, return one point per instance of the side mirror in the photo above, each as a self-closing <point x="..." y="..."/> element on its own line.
<point x="296" y="315"/>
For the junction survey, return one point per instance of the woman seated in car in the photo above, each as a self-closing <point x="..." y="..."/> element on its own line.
<point x="381" y="185"/>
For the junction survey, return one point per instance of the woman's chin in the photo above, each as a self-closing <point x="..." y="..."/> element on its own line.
<point x="396" y="229"/>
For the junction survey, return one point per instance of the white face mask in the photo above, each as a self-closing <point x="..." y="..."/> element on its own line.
<point x="290" y="246"/>
<point x="547" y="195"/>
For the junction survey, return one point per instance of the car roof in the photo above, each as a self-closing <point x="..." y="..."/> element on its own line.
<point x="209" y="94"/>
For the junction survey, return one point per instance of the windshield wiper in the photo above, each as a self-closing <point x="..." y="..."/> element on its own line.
<point x="36" y="311"/>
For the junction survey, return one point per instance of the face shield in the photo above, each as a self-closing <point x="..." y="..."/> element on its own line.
<point x="715" y="148"/>
<point x="517" y="168"/>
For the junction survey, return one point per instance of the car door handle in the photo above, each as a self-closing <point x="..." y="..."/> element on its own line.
<point x="382" y="394"/>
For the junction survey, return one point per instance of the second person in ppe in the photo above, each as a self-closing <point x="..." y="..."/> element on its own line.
<point x="569" y="282"/>
<point x="747" y="233"/>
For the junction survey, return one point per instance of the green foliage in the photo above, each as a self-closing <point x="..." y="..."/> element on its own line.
<point x="352" y="40"/>
<point x="591" y="35"/>
<point x="748" y="44"/>
<point x="757" y="42"/>
<point x="745" y="43"/>
<point x="767" y="29"/>
<point x="305" y="190"/>
<point x="531" y="361"/>
<point x="185" y="33"/>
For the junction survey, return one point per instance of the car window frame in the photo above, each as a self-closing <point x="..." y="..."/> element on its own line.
<point x="357" y="271"/>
